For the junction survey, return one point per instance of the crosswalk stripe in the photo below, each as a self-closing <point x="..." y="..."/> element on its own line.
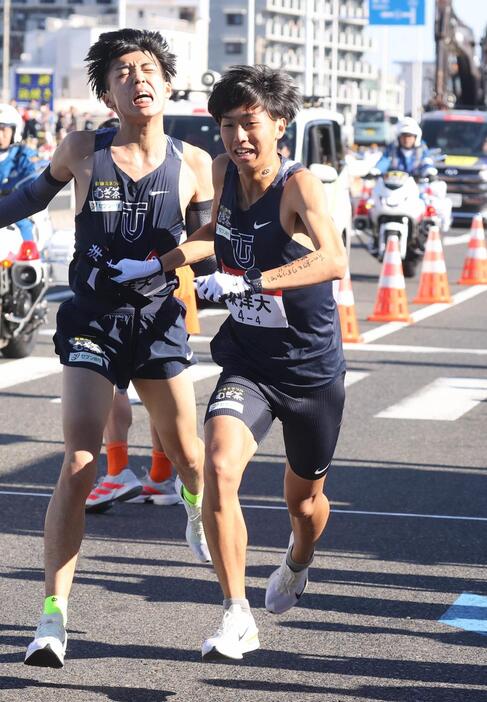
<point x="23" y="370"/>
<point x="353" y="377"/>
<point x="445" y="399"/>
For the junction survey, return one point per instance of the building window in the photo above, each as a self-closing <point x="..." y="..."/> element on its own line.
<point x="233" y="47"/>
<point x="186" y="13"/>
<point x="235" y="19"/>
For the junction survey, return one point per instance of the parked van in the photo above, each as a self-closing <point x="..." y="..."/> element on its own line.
<point x="374" y="126"/>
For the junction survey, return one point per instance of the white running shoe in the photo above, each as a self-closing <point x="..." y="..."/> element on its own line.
<point x="285" y="587"/>
<point x="112" y="488"/>
<point x="238" y="634"/>
<point x="195" y="535"/>
<point x="163" y="493"/>
<point x="49" y="645"/>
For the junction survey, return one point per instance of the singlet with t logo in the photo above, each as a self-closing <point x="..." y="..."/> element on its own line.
<point x="289" y="338"/>
<point x="130" y="219"/>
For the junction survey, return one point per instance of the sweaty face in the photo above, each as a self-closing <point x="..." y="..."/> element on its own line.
<point x="6" y="134"/>
<point x="136" y="85"/>
<point x="250" y="135"/>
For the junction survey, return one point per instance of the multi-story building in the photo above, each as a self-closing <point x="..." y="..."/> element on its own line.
<point x="183" y="22"/>
<point x="320" y="42"/>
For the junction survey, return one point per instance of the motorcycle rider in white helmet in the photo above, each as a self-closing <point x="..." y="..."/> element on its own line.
<point x="409" y="153"/>
<point x="16" y="160"/>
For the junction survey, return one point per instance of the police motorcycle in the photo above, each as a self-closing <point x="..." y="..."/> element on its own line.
<point x="433" y="191"/>
<point x="23" y="275"/>
<point x="395" y="206"/>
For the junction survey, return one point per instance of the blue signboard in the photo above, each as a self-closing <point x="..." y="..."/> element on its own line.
<point x="403" y="12"/>
<point x="31" y="84"/>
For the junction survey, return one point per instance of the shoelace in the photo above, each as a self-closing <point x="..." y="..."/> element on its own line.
<point x="286" y="580"/>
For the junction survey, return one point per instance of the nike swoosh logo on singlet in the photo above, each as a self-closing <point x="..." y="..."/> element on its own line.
<point x="158" y="192"/>
<point x="258" y="226"/>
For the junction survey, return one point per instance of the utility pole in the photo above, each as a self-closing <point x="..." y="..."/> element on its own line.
<point x="6" y="52"/>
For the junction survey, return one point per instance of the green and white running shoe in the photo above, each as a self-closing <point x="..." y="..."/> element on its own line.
<point x="238" y="634"/>
<point x="195" y="535"/>
<point x="49" y="645"/>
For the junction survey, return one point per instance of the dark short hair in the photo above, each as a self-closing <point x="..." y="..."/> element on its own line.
<point x="250" y="86"/>
<point x="111" y="45"/>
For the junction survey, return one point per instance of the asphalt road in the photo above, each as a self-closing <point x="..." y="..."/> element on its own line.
<point x="406" y="539"/>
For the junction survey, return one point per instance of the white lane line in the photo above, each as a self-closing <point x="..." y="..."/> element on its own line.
<point x="283" y="507"/>
<point x="455" y="240"/>
<point x="27" y="369"/>
<point x="398" y="348"/>
<point x="445" y="400"/>
<point x="199" y="339"/>
<point x="424" y="313"/>
<point x="354" y="377"/>
<point x="46" y="332"/>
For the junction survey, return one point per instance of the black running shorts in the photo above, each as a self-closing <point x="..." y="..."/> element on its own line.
<point x="126" y="343"/>
<point x="311" y="422"/>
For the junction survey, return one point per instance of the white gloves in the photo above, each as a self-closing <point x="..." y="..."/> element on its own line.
<point x="130" y="269"/>
<point x="218" y="286"/>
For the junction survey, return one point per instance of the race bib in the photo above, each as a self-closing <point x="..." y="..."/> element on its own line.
<point x="259" y="310"/>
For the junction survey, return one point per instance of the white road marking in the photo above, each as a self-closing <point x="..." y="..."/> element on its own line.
<point x="398" y="348"/>
<point x="353" y="377"/>
<point x="455" y="240"/>
<point x="424" y="313"/>
<point x="283" y="507"/>
<point x="445" y="400"/>
<point x="46" y="332"/>
<point x="26" y="369"/>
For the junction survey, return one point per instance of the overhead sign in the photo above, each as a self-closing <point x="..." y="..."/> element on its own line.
<point x="34" y="84"/>
<point x="402" y="12"/>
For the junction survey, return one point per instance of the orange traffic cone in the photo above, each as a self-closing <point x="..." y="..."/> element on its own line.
<point x="346" y="310"/>
<point x="475" y="265"/>
<point x="391" y="304"/>
<point x="433" y="282"/>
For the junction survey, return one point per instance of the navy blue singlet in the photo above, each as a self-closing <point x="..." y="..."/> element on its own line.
<point x="289" y="339"/>
<point x="131" y="219"/>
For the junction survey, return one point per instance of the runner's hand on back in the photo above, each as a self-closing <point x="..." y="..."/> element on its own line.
<point x="218" y="286"/>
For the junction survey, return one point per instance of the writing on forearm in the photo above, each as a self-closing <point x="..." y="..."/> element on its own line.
<point x="300" y="264"/>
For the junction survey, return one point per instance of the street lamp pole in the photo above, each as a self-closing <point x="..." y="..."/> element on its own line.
<point x="6" y="52"/>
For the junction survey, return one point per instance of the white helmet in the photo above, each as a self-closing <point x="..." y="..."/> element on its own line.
<point x="410" y="126"/>
<point x="10" y="117"/>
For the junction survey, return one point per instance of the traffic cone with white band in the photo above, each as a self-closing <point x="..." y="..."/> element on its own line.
<point x="433" y="282"/>
<point x="475" y="266"/>
<point x="391" y="303"/>
<point x="346" y="310"/>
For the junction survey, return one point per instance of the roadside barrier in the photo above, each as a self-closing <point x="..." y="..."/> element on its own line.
<point x="433" y="282"/>
<point x="475" y="266"/>
<point x="391" y="303"/>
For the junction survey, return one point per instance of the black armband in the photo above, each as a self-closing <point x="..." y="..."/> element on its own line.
<point x="197" y="215"/>
<point x="29" y="199"/>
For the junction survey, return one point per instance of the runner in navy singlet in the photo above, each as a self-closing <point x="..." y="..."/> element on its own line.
<point x="280" y="348"/>
<point x="134" y="188"/>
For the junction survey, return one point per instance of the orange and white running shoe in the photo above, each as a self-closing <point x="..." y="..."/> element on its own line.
<point x="113" y="488"/>
<point x="160" y="493"/>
